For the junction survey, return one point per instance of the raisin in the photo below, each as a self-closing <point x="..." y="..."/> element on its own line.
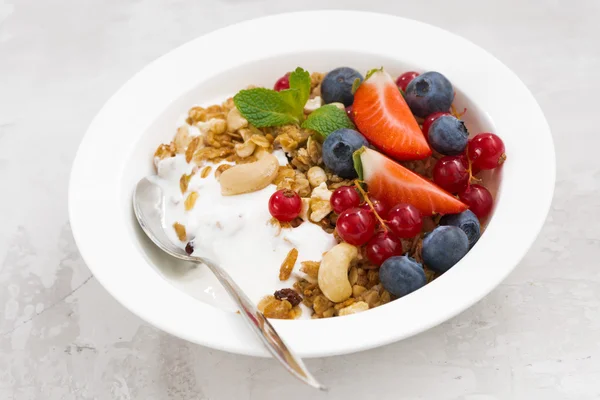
<point x="189" y="248"/>
<point x="290" y="295"/>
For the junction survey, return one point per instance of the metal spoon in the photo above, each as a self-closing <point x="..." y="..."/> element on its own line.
<point x="148" y="206"/>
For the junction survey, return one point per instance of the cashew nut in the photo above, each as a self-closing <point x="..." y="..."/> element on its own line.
<point x="245" y="178"/>
<point x="312" y="104"/>
<point x="235" y="120"/>
<point x="245" y="149"/>
<point x="333" y="273"/>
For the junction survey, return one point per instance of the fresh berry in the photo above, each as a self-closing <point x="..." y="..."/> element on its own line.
<point x="444" y="247"/>
<point x="430" y="119"/>
<point x="401" y="275"/>
<point x="337" y="85"/>
<point x="448" y="135"/>
<point x="350" y="113"/>
<point x="486" y="151"/>
<point x="338" y="149"/>
<point x="282" y="83"/>
<point x="285" y="205"/>
<point x="381" y="114"/>
<point x="451" y="173"/>
<point x="467" y="221"/>
<point x="405" y="221"/>
<point x="356" y="226"/>
<point x="343" y="198"/>
<point x="383" y="246"/>
<point x="428" y="93"/>
<point x="392" y="183"/>
<point x="380" y="208"/>
<point x="479" y="200"/>
<point x="404" y="79"/>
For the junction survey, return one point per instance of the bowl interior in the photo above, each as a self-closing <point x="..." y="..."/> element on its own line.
<point x="199" y="282"/>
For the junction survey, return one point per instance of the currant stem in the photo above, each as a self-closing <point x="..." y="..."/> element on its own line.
<point x="366" y="197"/>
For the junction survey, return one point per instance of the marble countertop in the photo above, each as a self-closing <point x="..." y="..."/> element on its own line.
<point x="537" y="336"/>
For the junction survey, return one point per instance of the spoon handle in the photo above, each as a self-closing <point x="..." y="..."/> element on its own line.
<point x="263" y="329"/>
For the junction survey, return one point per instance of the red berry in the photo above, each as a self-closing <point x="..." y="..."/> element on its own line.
<point x="356" y="226"/>
<point x="343" y="198"/>
<point x="383" y="246"/>
<point x="285" y="205"/>
<point x="282" y="83"/>
<point x="486" y="151"/>
<point x="451" y="173"/>
<point x="380" y="208"/>
<point x="404" y="79"/>
<point x="350" y="113"/>
<point x="430" y="119"/>
<point x="405" y="220"/>
<point x="479" y="200"/>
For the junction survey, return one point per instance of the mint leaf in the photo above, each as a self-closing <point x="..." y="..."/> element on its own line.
<point x="293" y="98"/>
<point x="265" y="107"/>
<point x="327" y="119"/>
<point x="358" y="163"/>
<point x="300" y="80"/>
<point x="355" y="85"/>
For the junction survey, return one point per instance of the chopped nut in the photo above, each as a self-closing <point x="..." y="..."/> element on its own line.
<point x="273" y="308"/>
<point x="288" y="265"/>
<point x="357" y="290"/>
<point x="304" y="212"/>
<point x="290" y="295"/>
<point x="286" y="142"/>
<point x="316" y="176"/>
<point x="197" y="114"/>
<point x="218" y="127"/>
<point x="371" y="297"/>
<point x="310" y="268"/>
<point x="235" y="120"/>
<point x="261" y="141"/>
<point x="320" y="206"/>
<point x="180" y="230"/>
<point x="354" y="308"/>
<point x="190" y="201"/>
<point x="312" y="104"/>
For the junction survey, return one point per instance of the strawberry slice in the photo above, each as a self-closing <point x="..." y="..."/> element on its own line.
<point x="392" y="184"/>
<point x="383" y="117"/>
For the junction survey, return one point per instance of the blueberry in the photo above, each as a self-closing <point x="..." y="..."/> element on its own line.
<point x="401" y="275"/>
<point x="337" y="86"/>
<point x="444" y="247"/>
<point x="338" y="149"/>
<point x="467" y="221"/>
<point x="448" y="135"/>
<point x="428" y="93"/>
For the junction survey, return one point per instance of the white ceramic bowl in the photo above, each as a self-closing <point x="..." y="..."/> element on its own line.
<point x="118" y="147"/>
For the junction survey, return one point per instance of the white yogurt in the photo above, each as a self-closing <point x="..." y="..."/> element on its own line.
<point x="235" y="232"/>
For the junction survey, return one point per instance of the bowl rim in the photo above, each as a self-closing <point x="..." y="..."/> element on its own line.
<point x="482" y="77"/>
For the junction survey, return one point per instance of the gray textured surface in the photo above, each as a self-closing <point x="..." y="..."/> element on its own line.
<point x="63" y="337"/>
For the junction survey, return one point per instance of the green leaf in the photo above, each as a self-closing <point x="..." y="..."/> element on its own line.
<point x="327" y="119"/>
<point x="300" y="80"/>
<point x="372" y="71"/>
<point x="293" y="98"/>
<point x="358" y="163"/>
<point x="265" y="107"/>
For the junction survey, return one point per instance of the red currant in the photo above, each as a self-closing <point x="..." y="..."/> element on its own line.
<point x="405" y="220"/>
<point x="383" y="246"/>
<point x="380" y="208"/>
<point x="350" y="113"/>
<point x="343" y="198"/>
<point x="356" y="226"/>
<point x="282" y="83"/>
<point x="486" y="151"/>
<point x="479" y="200"/>
<point x="404" y="79"/>
<point x="430" y="119"/>
<point x="285" y="205"/>
<point x="451" y="173"/>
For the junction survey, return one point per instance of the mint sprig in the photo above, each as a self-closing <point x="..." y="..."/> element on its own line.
<point x="327" y="119"/>
<point x="265" y="107"/>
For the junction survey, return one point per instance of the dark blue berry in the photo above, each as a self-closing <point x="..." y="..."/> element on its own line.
<point x="428" y="93"/>
<point x="467" y="221"/>
<point x="401" y="275"/>
<point x="338" y="149"/>
<point x="337" y="86"/>
<point x="448" y="135"/>
<point x="444" y="247"/>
